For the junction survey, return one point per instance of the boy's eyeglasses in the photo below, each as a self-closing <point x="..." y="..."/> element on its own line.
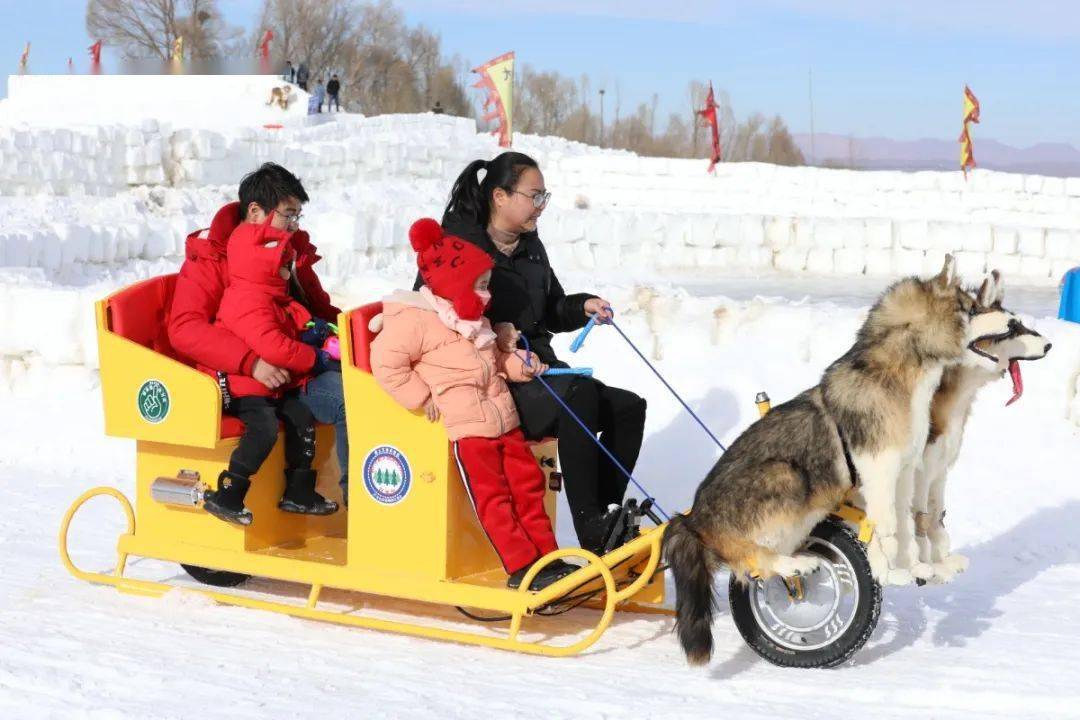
<point x="539" y="199"/>
<point x="292" y="219"/>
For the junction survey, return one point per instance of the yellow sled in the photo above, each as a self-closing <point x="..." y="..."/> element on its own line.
<point x="410" y="532"/>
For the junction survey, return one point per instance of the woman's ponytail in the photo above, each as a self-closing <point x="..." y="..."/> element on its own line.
<point x="466" y="198"/>
<point x="471" y="197"/>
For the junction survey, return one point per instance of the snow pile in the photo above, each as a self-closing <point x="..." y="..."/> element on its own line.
<point x="190" y="101"/>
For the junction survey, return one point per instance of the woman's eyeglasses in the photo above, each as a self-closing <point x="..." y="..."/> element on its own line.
<point x="539" y="199"/>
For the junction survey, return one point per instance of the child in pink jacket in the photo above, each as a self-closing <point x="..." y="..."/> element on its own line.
<point x="437" y="351"/>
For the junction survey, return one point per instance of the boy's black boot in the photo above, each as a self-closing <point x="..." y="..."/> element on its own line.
<point x="227" y="502"/>
<point x="300" y="496"/>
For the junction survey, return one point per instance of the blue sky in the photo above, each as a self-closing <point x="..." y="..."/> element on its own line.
<point x="879" y="68"/>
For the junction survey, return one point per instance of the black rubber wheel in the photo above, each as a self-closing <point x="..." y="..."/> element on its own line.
<point x="835" y="617"/>
<point x="217" y="578"/>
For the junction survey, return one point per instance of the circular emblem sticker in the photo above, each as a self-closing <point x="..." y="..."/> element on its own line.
<point x="386" y="475"/>
<point x="153" y="401"/>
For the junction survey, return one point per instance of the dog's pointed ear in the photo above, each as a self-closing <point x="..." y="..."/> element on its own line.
<point x="999" y="286"/>
<point x="947" y="276"/>
<point x="985" y="296"/>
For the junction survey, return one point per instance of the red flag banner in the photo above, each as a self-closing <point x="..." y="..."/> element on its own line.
<point x="95" y="57"/>
<point x="708" y="114"/>
<point x="264" y="51"/>
<point x="24" y="59"/>
<point x="264" y="46"/>
<point x="971" y="115"/>
<point x="497" y="78"/>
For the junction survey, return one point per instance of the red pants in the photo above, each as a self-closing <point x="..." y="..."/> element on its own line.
<point x="506" y="487"/>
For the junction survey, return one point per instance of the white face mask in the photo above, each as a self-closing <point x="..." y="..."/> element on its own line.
<point x="485" y="296"/>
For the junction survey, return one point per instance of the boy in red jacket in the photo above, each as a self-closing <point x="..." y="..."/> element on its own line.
<point x="204" y="276"/>
<point x="257" y="308"/>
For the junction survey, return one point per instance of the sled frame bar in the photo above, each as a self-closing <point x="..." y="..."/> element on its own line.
<point x="530" y="602"/>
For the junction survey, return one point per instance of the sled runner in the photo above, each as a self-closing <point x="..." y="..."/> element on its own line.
<point x="409" y="532"/>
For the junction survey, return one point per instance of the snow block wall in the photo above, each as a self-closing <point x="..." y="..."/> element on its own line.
<point x="95" y="199"/>
<point x="610" y="209"/>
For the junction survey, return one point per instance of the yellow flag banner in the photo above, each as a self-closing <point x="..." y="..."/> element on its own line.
<point x="178" y="48"/>
<point x="971" y="115"/>
<point x="497" y="77"/>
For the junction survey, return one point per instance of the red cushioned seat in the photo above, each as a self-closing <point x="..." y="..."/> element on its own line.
<point x="231" y="427"/>
<point x="361" y="335"/>
<point x="141" y="313"/>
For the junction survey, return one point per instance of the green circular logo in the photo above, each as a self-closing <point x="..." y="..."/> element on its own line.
<point x="153" y="401"/>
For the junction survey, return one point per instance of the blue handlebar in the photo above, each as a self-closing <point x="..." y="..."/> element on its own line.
<point x="568" y="371"/>
<point x="580" y="339"/>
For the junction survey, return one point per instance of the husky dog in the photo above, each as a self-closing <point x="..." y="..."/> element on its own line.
<point x="868" y="420"/>
<point x="949" y="412"/>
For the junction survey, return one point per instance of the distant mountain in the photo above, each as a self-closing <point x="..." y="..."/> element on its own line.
<point x="1059" y="159"/>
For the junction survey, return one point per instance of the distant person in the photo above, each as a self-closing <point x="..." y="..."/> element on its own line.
<point x="289" y="74"/>
<point x="302" y="76"/>
<point x="319" y="94"/>
<point x="332" y="89"/>
<point x="438" y="109"/>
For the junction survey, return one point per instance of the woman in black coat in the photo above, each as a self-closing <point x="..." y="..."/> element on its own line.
<point x="499" y="214"/>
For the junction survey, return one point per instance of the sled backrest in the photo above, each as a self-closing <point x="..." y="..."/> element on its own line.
<point x="148" y="392"/>
<point x="140" y="313"/>
<point x="362" y="335"/>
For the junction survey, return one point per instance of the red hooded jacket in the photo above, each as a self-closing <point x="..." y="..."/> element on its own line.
<point x="201" y="283"/>
<point x="257" y="308"/>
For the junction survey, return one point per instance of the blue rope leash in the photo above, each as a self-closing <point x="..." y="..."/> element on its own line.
<point x="667" y="385"/>
<point x="580" y="340"/>
<point x="528" y="362"/>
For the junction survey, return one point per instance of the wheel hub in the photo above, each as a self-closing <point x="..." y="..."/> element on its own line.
<point x="829" y="598"/>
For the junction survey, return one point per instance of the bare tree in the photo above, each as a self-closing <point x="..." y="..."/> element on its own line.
<point x="782" y="147"/>
<point x="384" y="66"/>
<point x="148" y="28"/>
<point x="318" y="33"/>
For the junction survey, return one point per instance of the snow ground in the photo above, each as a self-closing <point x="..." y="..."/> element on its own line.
<point x="1001" y="641"/>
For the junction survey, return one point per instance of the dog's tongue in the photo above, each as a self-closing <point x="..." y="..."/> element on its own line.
<point x="1017" y="380"/>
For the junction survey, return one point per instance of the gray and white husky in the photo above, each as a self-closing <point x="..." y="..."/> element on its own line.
<point x="790" y="469"/>
<point x="929" y="555"/>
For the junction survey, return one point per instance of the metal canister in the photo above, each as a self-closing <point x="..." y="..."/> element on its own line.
<point x="185" y="490"/>
<point x="763" y="403"/>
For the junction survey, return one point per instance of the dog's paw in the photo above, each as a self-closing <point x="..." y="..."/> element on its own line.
<point x="942" y="574"/>
<point x="922" y="571"/>
<point x="796" y="565"/>
<point x="899" y="577"/>
<point x="956" y="562"/>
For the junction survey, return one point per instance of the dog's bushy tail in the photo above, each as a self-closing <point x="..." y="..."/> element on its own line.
<point x="695" y="601"/>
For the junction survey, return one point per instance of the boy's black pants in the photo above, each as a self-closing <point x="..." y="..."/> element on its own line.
<point x="260" y="416"/>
